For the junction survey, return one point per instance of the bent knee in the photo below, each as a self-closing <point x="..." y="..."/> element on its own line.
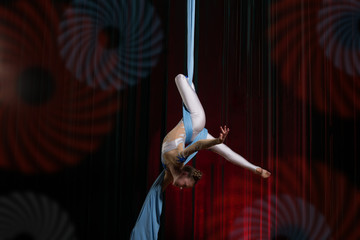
<point x="198" y="122"/>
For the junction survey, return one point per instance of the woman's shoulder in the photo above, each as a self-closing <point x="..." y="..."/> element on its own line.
<point x="171" y="155"/>
<point x="172" y="158"/>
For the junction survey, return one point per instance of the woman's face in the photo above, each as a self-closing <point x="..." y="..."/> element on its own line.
<point x="184" y="181"/>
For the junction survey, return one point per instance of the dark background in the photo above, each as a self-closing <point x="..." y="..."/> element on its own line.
<point x="261" y="69"/>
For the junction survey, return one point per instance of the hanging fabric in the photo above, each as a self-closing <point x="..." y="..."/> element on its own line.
<point x="148" y="223"/>
<point x="190" y="69"/>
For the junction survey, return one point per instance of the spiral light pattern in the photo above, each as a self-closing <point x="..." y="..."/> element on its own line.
<point x="48" y="120"/>
<point x="310" y="201"/>
<point x="289" y="218"/>
<point x="30" y="216"/>
<point x="315" y="45"/>
<point x="339" y="33"/>
<point x="110" y="43"/>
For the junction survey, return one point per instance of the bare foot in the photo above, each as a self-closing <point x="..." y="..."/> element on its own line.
<point x="263" y="172"/>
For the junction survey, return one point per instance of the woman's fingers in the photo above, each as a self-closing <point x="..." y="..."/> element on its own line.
<point x="224" y="129"/>
<point x="223" y="133"/>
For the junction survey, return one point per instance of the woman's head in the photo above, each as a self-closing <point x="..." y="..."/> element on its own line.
<point x="188" y="178"/>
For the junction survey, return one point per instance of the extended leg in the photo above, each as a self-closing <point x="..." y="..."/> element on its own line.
<point x="236" y="159"/>
<point x="231" y="156"/>
<point x="192" y="103"/>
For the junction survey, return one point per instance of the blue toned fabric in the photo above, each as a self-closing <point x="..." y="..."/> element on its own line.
<point x="148" y="223"/>
<point x="190" y="63"/>
<point x="201" y="135"/>
<point x="190" y="66"/>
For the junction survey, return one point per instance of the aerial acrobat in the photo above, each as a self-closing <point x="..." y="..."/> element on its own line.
<point x="174" y="153"/>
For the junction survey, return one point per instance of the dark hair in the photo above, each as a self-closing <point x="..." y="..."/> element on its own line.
<point x="193" y="172"/>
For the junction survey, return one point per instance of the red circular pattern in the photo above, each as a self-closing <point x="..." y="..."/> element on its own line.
<point x="255" y="209"/>
<point x="70" y="122"/>
<point x="302" y="56"/>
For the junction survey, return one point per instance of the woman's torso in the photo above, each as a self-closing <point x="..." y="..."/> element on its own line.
<point x="173" y="143"/>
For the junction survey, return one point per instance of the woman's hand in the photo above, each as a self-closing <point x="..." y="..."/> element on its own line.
<point x="223" y="133"/>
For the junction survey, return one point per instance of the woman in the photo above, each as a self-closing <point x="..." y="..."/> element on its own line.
<point x="174" y="152"/>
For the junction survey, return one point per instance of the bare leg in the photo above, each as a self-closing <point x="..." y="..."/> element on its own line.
<point x="236" y="159"/>
<point x="192" y="103"/>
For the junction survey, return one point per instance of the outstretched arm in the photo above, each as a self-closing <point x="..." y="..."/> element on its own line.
<point x="206" y="143"/>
